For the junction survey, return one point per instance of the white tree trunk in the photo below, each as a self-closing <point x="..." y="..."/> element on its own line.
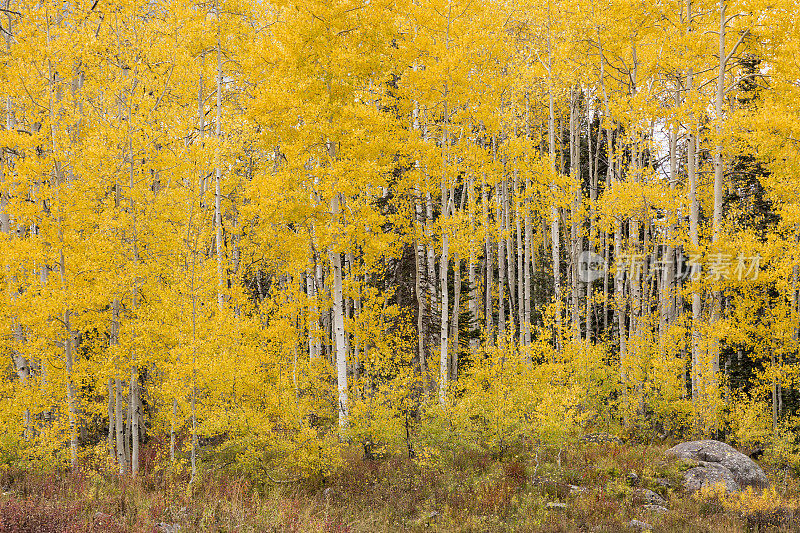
<point x="120" y="426"/>
<point x="218" y="175"/>
<point x="511" y="278"/>
<point x="419" y="285"/>
<point x="526" y="271"/>
<point x="455" y="317"/>
<point x="443" y="365"/>
<point x="68" y="359"/>
<point x="474" y="290"/>
<point x="574" y="146"/>
<point x="114" y="410"/>
<point x="520" y="261"/>
<point x="110" y="437"/>
<point x="489" y="267"/>
<point x="134" y="407"/>
<point x="313" y="320"/>
<point x="668" y="274"/>
<point x="554" y="220"/>
<point x="694" y="219"/>
<point x="433" y="298"/>
<point x="501" y="267"/>
<point x="338" y="326"/>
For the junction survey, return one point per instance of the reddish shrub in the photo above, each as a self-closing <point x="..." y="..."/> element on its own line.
<point x="37" y="516"/>
<point x="515" y="472"/>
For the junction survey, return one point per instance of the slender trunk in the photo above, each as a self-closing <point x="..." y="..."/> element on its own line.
<point x="114" y="414"/>
<point x="606" y="258"/>
<point x="520" y="263"/>
<point x="488" y="264"/>
<point x="719" y="170"/>
<point x="357" y="347"/>
<point x="193" y="401"/>
<point x="133" y="404"/>
<point x="172" y="430"/>
<point x="120" y="430"/>
<point x="68" y="337"/>
<point x="455" y="319"/>
<point x="668" y="272"/>
<point x="68" y="357"/>
<point x="338" y="324"/>
<point x="575" y="172"/>
<point x="527" y="272"/>
<point x="347" y="271"/>
<point x="501" y="268"/>
<point x="554" y="215"/>
<point x="510" y="274"/>
<point x="134" y="407"/>
<point x="694" y="219"/>
<point x="314" y="347"/>
<point x="419" y="284"/>
<point x="433" y="298"/>
<point x="590" y="326"/>
<point x="325" y="316"/>
<point x="218" y="174"/>
<point x="636" y="281"/>
<point x="444" y="360"/>
<point x="110" y="436"/>
<point x="621" y="306"/>
<point x="419" y="258"/>
<point x="473" y="285"/>
<point x="774" y="369"/>
<point x="718" y="104"/>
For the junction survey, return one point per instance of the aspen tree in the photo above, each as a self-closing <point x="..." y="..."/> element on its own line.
<point x="488" y="268"/>
<point x="724" y="57"/>
<point x="338" y="324"/>
<point x="528" y="251"/>
<point x="218" y="165"/>
<point x="474" y="285"/>
<point x="501" y="256"/>
<point x="444" y="264"/>
<point x="554" y="215"/>
<point x="575" y="172"/>
<point x="419" y="256"/>
<point x="521" y="279"/>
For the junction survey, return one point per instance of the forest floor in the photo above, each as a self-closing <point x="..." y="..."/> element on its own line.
<point x="581" y="487"/>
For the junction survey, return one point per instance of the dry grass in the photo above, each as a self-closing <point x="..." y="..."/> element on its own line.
<point x="474" y="493"/>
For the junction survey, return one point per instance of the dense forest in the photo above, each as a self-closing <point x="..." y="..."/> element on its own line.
<point x="269" y="231"/>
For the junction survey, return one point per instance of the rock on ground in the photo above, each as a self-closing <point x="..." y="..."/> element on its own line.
<point x="639" y="525"/>
<point x="556" y="505"/>
<point x="708" y="475"/>
<point x="648" y="496"/>
<point x="718" y="463"/>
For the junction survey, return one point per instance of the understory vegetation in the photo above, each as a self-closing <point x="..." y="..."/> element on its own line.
<point x="518" y="489"/>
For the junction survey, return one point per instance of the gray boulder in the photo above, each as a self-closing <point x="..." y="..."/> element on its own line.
<point x="708" y="475"/>
<point x="647" y="496"/>
<point x="638" y="525"/>
<point x="718" y="463"/>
